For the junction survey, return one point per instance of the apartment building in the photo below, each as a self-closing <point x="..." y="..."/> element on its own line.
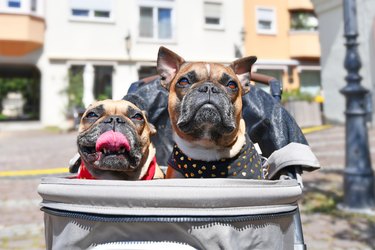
<point x="284" y="37"/>
<point x="70" y="52"/>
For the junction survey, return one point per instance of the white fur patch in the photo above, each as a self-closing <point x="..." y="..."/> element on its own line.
<point x="197" y="152"/>
<point x="208" y="67"/>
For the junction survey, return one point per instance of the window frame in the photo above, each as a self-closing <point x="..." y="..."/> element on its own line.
<point x="273" y="19"/>
<point x="155" y="6"/>
<point x="91" y="17"/>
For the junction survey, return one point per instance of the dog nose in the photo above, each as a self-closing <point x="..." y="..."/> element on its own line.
<point x="208" y="88"/>
<point x="114" y="119"/>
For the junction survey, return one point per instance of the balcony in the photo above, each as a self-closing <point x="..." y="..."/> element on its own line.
<point x="300" y="5"/>
<point x="20" y="34"/>
<point x="304" y="44"/>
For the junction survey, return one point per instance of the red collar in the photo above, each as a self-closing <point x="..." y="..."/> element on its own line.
<point x="83" y="173"/>
<point x="149" y="175"/>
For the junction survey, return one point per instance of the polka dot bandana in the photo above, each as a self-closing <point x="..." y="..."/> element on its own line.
<point x="245" y="165"/>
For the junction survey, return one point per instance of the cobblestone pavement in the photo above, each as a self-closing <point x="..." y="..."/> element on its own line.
<point x="325" y="227"/>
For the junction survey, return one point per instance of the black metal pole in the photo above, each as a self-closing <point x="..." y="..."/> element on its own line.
<point x="358" y="174"/>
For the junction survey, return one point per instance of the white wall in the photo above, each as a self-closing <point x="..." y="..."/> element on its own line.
<point x="54" y="102"/>
<point x="331" y="30"/>
<point x="82" y="40"/>
<point x="69" y="41"/>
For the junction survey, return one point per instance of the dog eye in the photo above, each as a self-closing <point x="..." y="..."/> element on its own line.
<point x="183" y="82"/>
<point x="232" y="85"/>
<point x="91" y="115"/>
<point x="137" y="117"/>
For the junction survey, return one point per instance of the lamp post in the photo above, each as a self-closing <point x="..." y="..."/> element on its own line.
<point x="358" y="174"/>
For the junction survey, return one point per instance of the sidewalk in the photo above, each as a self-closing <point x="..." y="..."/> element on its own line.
<point x="325" y="227"/>
<point x="21" y="221"/>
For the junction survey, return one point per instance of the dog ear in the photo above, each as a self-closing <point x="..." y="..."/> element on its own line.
<point x="242" y="68"/>
<point x="168" y="63"/>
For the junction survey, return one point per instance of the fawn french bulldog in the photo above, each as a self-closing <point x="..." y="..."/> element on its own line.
<point x="205" y="106"/>
<point x="114" y="143"/>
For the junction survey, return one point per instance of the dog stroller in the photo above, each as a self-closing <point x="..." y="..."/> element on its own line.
<point x="180" y="213"/>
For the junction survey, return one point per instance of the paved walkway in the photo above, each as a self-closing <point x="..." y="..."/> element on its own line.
<point x="325" y="227"/>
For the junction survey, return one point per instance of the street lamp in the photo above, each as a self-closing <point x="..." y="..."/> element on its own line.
<point x="358" y="174"/>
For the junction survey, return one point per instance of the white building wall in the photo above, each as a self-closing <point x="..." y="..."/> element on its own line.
<point x="54" y="101"/>
<point x="331" y="30"/>
<point x="124" y="74"/>
<point x="69" y="41"/>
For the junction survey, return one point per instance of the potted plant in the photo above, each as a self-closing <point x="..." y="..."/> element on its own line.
<point x="303" y="107"/>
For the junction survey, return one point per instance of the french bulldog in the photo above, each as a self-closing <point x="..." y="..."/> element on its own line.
<point x="205" y="109"/>
<point x="114" y="143"/>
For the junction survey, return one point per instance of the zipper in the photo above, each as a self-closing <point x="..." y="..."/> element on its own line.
<point x="165" y="245"/>
<point x="163" y="219"/>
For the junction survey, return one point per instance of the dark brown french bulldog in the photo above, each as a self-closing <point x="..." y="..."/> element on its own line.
<point x="114" y="143"/>
<point x="205" y="106"/>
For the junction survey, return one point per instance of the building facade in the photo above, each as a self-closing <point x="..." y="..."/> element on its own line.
<point x="86" y="50"/>
<point x="330" y="14"/>
<point x="284" y="37"/>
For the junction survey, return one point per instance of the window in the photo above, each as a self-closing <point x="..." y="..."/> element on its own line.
<point x="276" y="73"/>
<point x="103" y="82"/>
<point x="146" y="20"/>
<point x="101" y="13"/>
<point x="265" y="21"/>
<point x="212" y="14"/>
<point x="155" y="22"/>
<point x="146" y="71"/>
<point x="164" y="23"/>
<point x="303" y="20"/>
<point x="310" y="82"/>
<point x="14" y="3"/>
<point x="81" y="13"/>
<point x="33" y="5"/>
<point x="75" y="87"/>
<point x="94" y="10"/>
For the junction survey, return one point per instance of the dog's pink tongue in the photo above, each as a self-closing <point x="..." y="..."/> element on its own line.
<point x="112" y="141"/>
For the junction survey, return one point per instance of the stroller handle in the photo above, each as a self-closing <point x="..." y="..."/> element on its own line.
<point x="276" y="87"/>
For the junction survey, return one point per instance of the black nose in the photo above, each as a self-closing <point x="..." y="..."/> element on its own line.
<point x="208" y="88"/>
<point x="114" y="119"/>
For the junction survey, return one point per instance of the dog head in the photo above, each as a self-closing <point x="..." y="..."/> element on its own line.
<point x="114" y="140"/>
<point x="205" y="99"/>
